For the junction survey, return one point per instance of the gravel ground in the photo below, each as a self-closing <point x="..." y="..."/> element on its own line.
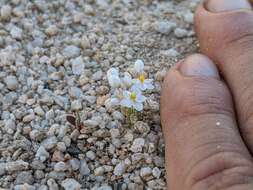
<point x="53" y="61"/>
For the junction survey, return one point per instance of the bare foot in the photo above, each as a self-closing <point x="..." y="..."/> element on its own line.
<point x="207" y="103"/>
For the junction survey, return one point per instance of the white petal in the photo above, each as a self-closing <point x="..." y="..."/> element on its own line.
<point x="114" y="81"/>
<point x="140" y="98"/>
<point x="139" y="66"/>
<point x="138" y="106"/>
<point x="126" y="103"/>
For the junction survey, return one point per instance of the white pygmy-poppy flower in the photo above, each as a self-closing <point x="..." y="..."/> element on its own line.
<point x="139" y="66"/>
<point x="127" y="79"/>
<point x="143" y="84"/>
<point x="133" y="99"/>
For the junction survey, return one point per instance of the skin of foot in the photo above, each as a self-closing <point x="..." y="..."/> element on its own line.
<point x="207" y="103"/>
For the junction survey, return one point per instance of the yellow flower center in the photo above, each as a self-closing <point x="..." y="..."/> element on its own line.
<point x="133" y="96"/>
<point x="142" y="78"/>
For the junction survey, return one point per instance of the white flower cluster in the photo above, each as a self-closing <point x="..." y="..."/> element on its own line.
<point x="128" y="91"/>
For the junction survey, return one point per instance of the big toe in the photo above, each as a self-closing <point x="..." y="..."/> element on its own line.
<point x="225" y="32"/>
<point x="204" y="149"/>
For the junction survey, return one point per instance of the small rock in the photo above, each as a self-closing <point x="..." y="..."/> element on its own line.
<point x="137" y="145"/>
<point x="39" y="111"/>
<point x="16" y="32"/>
<point x="71" y="51"/>
<point x="141" y="127"/>
<point x="61" y="146"/>
<point x="97" y="75"/>
<point x="11" y="82"/>
<point x="84" y="169"/>
<point x="24" y="177"/>
<point x="99" y="171"/>
<point x="60" y="167"/>
<point x="49" y="143"/>
<point x="180" y="33"/>
<point x="189" y="17"/>
<point x="74" y="164"/>
<point x="119" y="169"/>
<point x="118" y="116"/>
<point x="90" y="123"/>
<point x="91" y="155"/>
<point x="170" y="53"/>
<point x="156" y="172"/>
<point x="52" y="184"/>
<point x="145" y="172"/>
<point x="5" y="12"/>
<point x="51" y="30"/>
<point x="16" y="166"/>
<point x="70" y="184"/>
<point x="39" y="174"/>
<point x="85" y="42"/>
<point x="164" y="27"/>
<point x="75" y="92"/>
<point x="104" y="187"/>
<point x="42" y="154"/>
<point x="28" y="118"/>
<point x="24" y="187"/>
<point x="77" y="66"/>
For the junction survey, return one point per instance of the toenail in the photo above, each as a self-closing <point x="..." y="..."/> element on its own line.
<point x="199" y="65"/>
<point x="227" y="5"/>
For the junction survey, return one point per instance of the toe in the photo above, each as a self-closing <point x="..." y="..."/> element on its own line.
<point x="202" y="141"/>
<point x="225" y="33"/>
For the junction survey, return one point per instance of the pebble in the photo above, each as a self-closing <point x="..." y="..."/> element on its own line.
<point x="170" y="53"/>
<point x="60" y="167"/>
<point x="77" y="66"/>
<point x="71" y="51"/>
<point x="51" y="30"/>
<point x="84" y="168"/>
<point x="104" y="187"/>
<point x="156" y="172"/>
<point x="74" y="164"/>
<point x="52" y="184"/>
<point x="137" y="145"/>
<point x="141" y="127"/>
<point x="70" y="184"/>
<point x="119" y="169"/>
<point x="24" y="187"/>
<point x="99" y="171"/>
<point x="180" y="33"/>
<point x="16" y="32"/>
<point x="18" y="165"/>
<point x="5" y="12"/>
<point x="42" y="154"/>
<point x="49" y="142"/>
<point x="164" y="27"/>
<point x="24" y="177"/>
<point x="145" y="172"/>
<point x="11" y="82"/>
<point x="91" y="155"/>
<point x="85" y="42"/>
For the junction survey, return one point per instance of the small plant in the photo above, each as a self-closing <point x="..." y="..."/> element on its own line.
<point x="74" y="121"/>
<point x="128" y="91"/>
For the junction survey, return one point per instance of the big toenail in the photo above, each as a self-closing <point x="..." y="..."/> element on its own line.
<point x="198" y="65"/>
<point x="227" y="5"/>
